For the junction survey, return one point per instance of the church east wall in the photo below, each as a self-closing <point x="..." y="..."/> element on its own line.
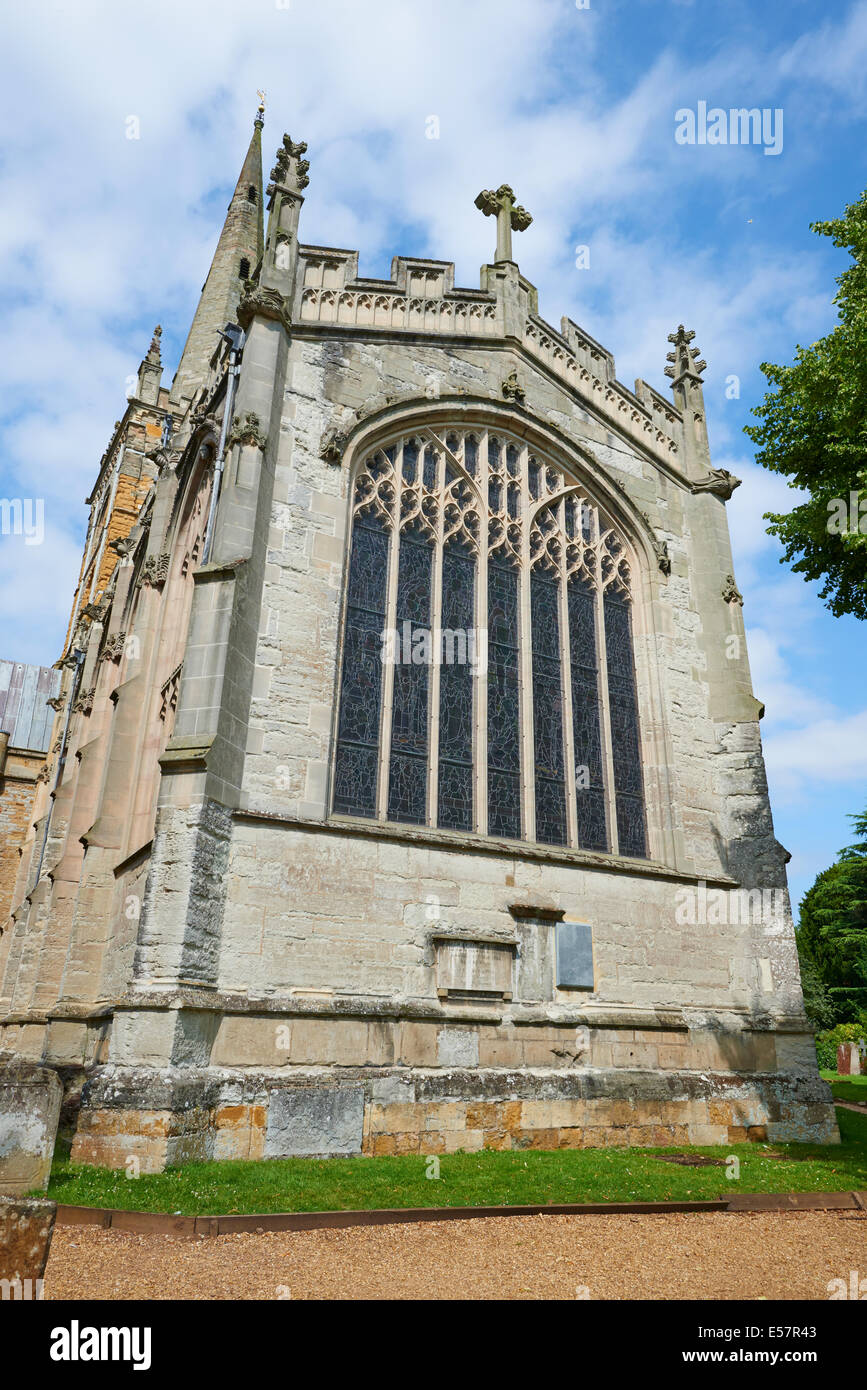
<point x="236" y="971"/>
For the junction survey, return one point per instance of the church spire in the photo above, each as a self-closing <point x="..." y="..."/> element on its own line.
<point x="239" y="251"/>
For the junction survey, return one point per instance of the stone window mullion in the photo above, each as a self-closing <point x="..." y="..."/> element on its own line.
<point x="436" y="648"/>
<point x="525" y="648"/>
<point x="480" y="703"/>
<point x="566" y="679"/>
<point x="605" y="717"/>
<point x="391" y="624"/>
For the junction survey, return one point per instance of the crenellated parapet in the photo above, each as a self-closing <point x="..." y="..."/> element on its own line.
<point x="420" y="298"/>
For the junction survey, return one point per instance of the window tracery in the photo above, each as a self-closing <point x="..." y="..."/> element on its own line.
<point x="488" y="679"/>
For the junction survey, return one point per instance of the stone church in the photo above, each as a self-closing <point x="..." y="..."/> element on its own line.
<point x="405" y="791"/>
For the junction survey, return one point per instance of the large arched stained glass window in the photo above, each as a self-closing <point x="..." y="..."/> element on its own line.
<point x="488" y="678"/>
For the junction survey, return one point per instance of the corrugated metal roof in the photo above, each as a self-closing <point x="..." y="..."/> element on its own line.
<point x="24" y="714"/>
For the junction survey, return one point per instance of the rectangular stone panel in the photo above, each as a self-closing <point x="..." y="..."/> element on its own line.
<point x="474" y="968"/>
<point x="535" y="960"/>
<point x="322" y="1121"/>
<point x="574" y="955"/>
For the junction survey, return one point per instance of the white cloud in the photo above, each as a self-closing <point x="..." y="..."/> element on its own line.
<point x="835" y="55"/>
<point x="826" y="750"/>
<point x="101" y="236"/>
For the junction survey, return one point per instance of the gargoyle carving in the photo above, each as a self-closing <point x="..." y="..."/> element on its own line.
<point x="719" y="481"/>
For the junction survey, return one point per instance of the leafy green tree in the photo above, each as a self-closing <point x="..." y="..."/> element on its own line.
<point x="814" y="431"/>
<point x="832" y="936"/>
<point x="818" y="1004"/>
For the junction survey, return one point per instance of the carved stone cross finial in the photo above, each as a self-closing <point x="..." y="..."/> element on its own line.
<point x="510" y="217"/>
<point x="684" y="361"/>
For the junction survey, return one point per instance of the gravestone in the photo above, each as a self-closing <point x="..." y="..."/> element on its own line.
<point x="848" y="1059"/>
<point x="30" y="1098"/>
<point x="26" y="1227"/>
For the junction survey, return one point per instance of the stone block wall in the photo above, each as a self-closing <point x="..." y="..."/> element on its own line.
<point x="17" y="791"/>
<point x="416" y="1108"/>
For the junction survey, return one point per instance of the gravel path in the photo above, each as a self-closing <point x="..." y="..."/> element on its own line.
<point x="685" y="1255"/>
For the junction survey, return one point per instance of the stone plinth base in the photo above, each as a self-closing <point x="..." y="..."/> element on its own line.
<point x="160" y="1118"/>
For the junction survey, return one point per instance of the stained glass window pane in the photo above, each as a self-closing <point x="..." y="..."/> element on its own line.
<point x="504" y="758"/>
<point x="355" y="776"/>
<point x="589" y="784"/>
<point x="625" y="746"/>
<point x="430" y="467"/>
<point x="533" y="479"/>
<point x="547" y="710"/>
<point x="555" y="665"/>
<point x="455" y="792"/>
<point x="410" y="461"/>
<point x="407" y="782"/>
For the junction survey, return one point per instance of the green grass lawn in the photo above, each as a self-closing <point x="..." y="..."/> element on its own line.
<point x="478" y="1179"/>
<point x="853" y="1088"/>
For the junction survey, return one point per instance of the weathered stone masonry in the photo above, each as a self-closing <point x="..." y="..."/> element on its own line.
<point x="227" y="965"/>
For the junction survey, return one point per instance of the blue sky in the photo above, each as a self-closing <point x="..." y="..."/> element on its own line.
<point x="102" y="236"/>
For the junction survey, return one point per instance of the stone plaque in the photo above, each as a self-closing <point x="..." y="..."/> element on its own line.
<point x="474" y="969"/>
<point x="574" y="955"/>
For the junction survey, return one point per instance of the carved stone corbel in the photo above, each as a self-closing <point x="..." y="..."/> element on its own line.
<point x="512" y="389"/>
<point x="730" y="591"/>
<point x="84" y="701"/>
<point x="248" y="431"/>
<point x="113" y="649"/>
<point x="663" y="559"/>
<point x="267" y="303"/>
<point x="164" y="457"/>
<point x="333" y="445"/>
<point x="155" y="570"/>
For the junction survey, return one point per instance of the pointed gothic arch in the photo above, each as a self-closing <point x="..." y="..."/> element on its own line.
<point x="472" y="533"/>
